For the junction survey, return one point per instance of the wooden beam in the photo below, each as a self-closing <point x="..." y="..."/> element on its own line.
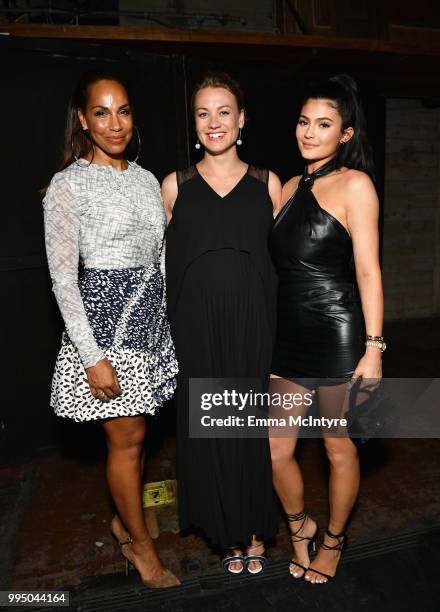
<point x="216" y="37"/>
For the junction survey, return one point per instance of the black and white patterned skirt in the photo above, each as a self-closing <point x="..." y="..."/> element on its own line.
<point x="127" y="312"/>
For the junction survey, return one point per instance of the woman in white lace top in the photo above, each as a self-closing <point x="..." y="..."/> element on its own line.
<point x="117" y="361"/>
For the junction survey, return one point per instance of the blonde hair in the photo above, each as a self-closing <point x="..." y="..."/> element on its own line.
<point x="219" y="79"/>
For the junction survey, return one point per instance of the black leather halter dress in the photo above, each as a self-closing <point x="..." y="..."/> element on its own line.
<point x="320" y="327"/>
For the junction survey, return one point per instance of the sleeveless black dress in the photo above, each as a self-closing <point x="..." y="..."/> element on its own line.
<point x="320" y="327"/>
<point x="221" y="291"/>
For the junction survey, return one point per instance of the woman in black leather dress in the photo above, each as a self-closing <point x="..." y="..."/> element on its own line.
<point x="324" y="246"/>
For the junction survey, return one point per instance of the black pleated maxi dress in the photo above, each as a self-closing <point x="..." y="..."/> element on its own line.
<point x="221" y="289"/>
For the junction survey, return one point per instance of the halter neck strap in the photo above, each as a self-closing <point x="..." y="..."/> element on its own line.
<point x="307" y="180"/>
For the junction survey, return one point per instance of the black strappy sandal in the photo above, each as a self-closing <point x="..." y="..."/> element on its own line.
<point x="341" y="542"/>
<point x="226" y="562"/>
<point x="292" y="518"/>
<point x="262" y="559"/>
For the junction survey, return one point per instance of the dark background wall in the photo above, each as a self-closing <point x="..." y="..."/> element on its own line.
<point x="38" y="76"/>
<point x="37" y="81"/>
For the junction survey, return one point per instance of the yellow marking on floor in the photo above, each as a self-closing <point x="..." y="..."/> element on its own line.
<point x="159" y="493"/>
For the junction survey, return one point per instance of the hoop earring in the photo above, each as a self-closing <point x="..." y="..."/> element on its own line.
<point x="139" y="145"/>
<point x="198" y="145"/>
<point x="85" y="130"/>
<point x="239" y="140"/>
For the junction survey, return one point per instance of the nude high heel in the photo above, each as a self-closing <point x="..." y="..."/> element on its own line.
<point x="167" y="578"/>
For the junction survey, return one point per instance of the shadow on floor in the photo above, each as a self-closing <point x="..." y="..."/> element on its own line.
<point x="56" y="513"/>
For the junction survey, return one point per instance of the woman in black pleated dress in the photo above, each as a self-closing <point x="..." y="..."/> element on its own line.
<point x="221" y="291"/>
<point x="330" y="304"/>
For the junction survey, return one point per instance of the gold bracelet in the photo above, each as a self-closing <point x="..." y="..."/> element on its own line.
<point x="379" y="344"/>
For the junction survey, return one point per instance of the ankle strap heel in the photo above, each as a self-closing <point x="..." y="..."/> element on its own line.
<point x="300" y="516"/>
<point x="340" y="538"/>
<point x="295" y="538"/>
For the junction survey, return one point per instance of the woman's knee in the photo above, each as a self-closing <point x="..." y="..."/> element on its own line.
<point x="125" y="433"/>
<point x="281" y="451"/>
<point x="340" y="451"/>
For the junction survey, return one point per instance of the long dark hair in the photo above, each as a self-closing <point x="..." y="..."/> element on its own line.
<point x="77" y="142"/>
<point x="342" y="90"/>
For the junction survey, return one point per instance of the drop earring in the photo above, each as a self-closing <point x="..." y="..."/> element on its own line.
<point x="139" y="147"/>
<point x="239" y="140"/>
<point x="198" y="145"/>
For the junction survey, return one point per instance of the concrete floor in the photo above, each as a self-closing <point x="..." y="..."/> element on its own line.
<point x="56" y="508"/>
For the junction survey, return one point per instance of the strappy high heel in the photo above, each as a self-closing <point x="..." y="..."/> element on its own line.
<point x="262" y="559"/>
<point x="165" y="580"/>
<point x="341" y="540"/>
<point x="295" y="537"/>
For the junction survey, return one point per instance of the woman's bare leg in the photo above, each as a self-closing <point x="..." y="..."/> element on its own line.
<point x="287" y="479"/>
<point x="125" y="437"/>
<point x="343" y="485"/>
<point x="116" y="521"/>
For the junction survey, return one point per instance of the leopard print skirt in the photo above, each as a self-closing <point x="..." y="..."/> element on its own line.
<point x="126" y="310"/>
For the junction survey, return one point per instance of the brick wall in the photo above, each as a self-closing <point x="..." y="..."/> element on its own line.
<point x="411" y="250"/>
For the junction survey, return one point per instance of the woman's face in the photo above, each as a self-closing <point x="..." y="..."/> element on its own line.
<point x="319" y="130"/>
<point x="108" y="118"/>
<point x="217" y="119"/>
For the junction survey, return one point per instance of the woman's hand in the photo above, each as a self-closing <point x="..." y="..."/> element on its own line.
<point x="103" y="381"/>
<point x="369" y="368"/>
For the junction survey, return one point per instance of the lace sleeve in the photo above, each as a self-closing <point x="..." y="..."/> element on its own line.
<point x="62" y="226"/>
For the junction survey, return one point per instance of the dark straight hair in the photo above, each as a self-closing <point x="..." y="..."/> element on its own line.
<point x="77" y="142"/>
<point x="342" y="90"/>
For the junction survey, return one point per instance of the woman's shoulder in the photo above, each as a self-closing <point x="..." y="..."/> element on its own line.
<point x="61" y="185"/>
<point x="143" y="175"/>
<point x="177" y="178"/>
<point x="261" y="174"/>
<point x="65" y="175"/>
<point x="170" y="187"/>
<point x="355" y="179"/>
<point x="358" y="192"/>
<point x="73" y="177"/>
<point x="170" y="180"/>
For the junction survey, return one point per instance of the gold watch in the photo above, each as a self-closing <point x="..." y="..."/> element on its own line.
<point x="376" y="342"/>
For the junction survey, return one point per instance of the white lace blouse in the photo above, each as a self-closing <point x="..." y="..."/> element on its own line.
<point x="106" y="219"/>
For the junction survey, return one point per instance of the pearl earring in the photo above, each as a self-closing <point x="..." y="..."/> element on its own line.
<point x="197" y="145"/>
<point x="239" y="140"/>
